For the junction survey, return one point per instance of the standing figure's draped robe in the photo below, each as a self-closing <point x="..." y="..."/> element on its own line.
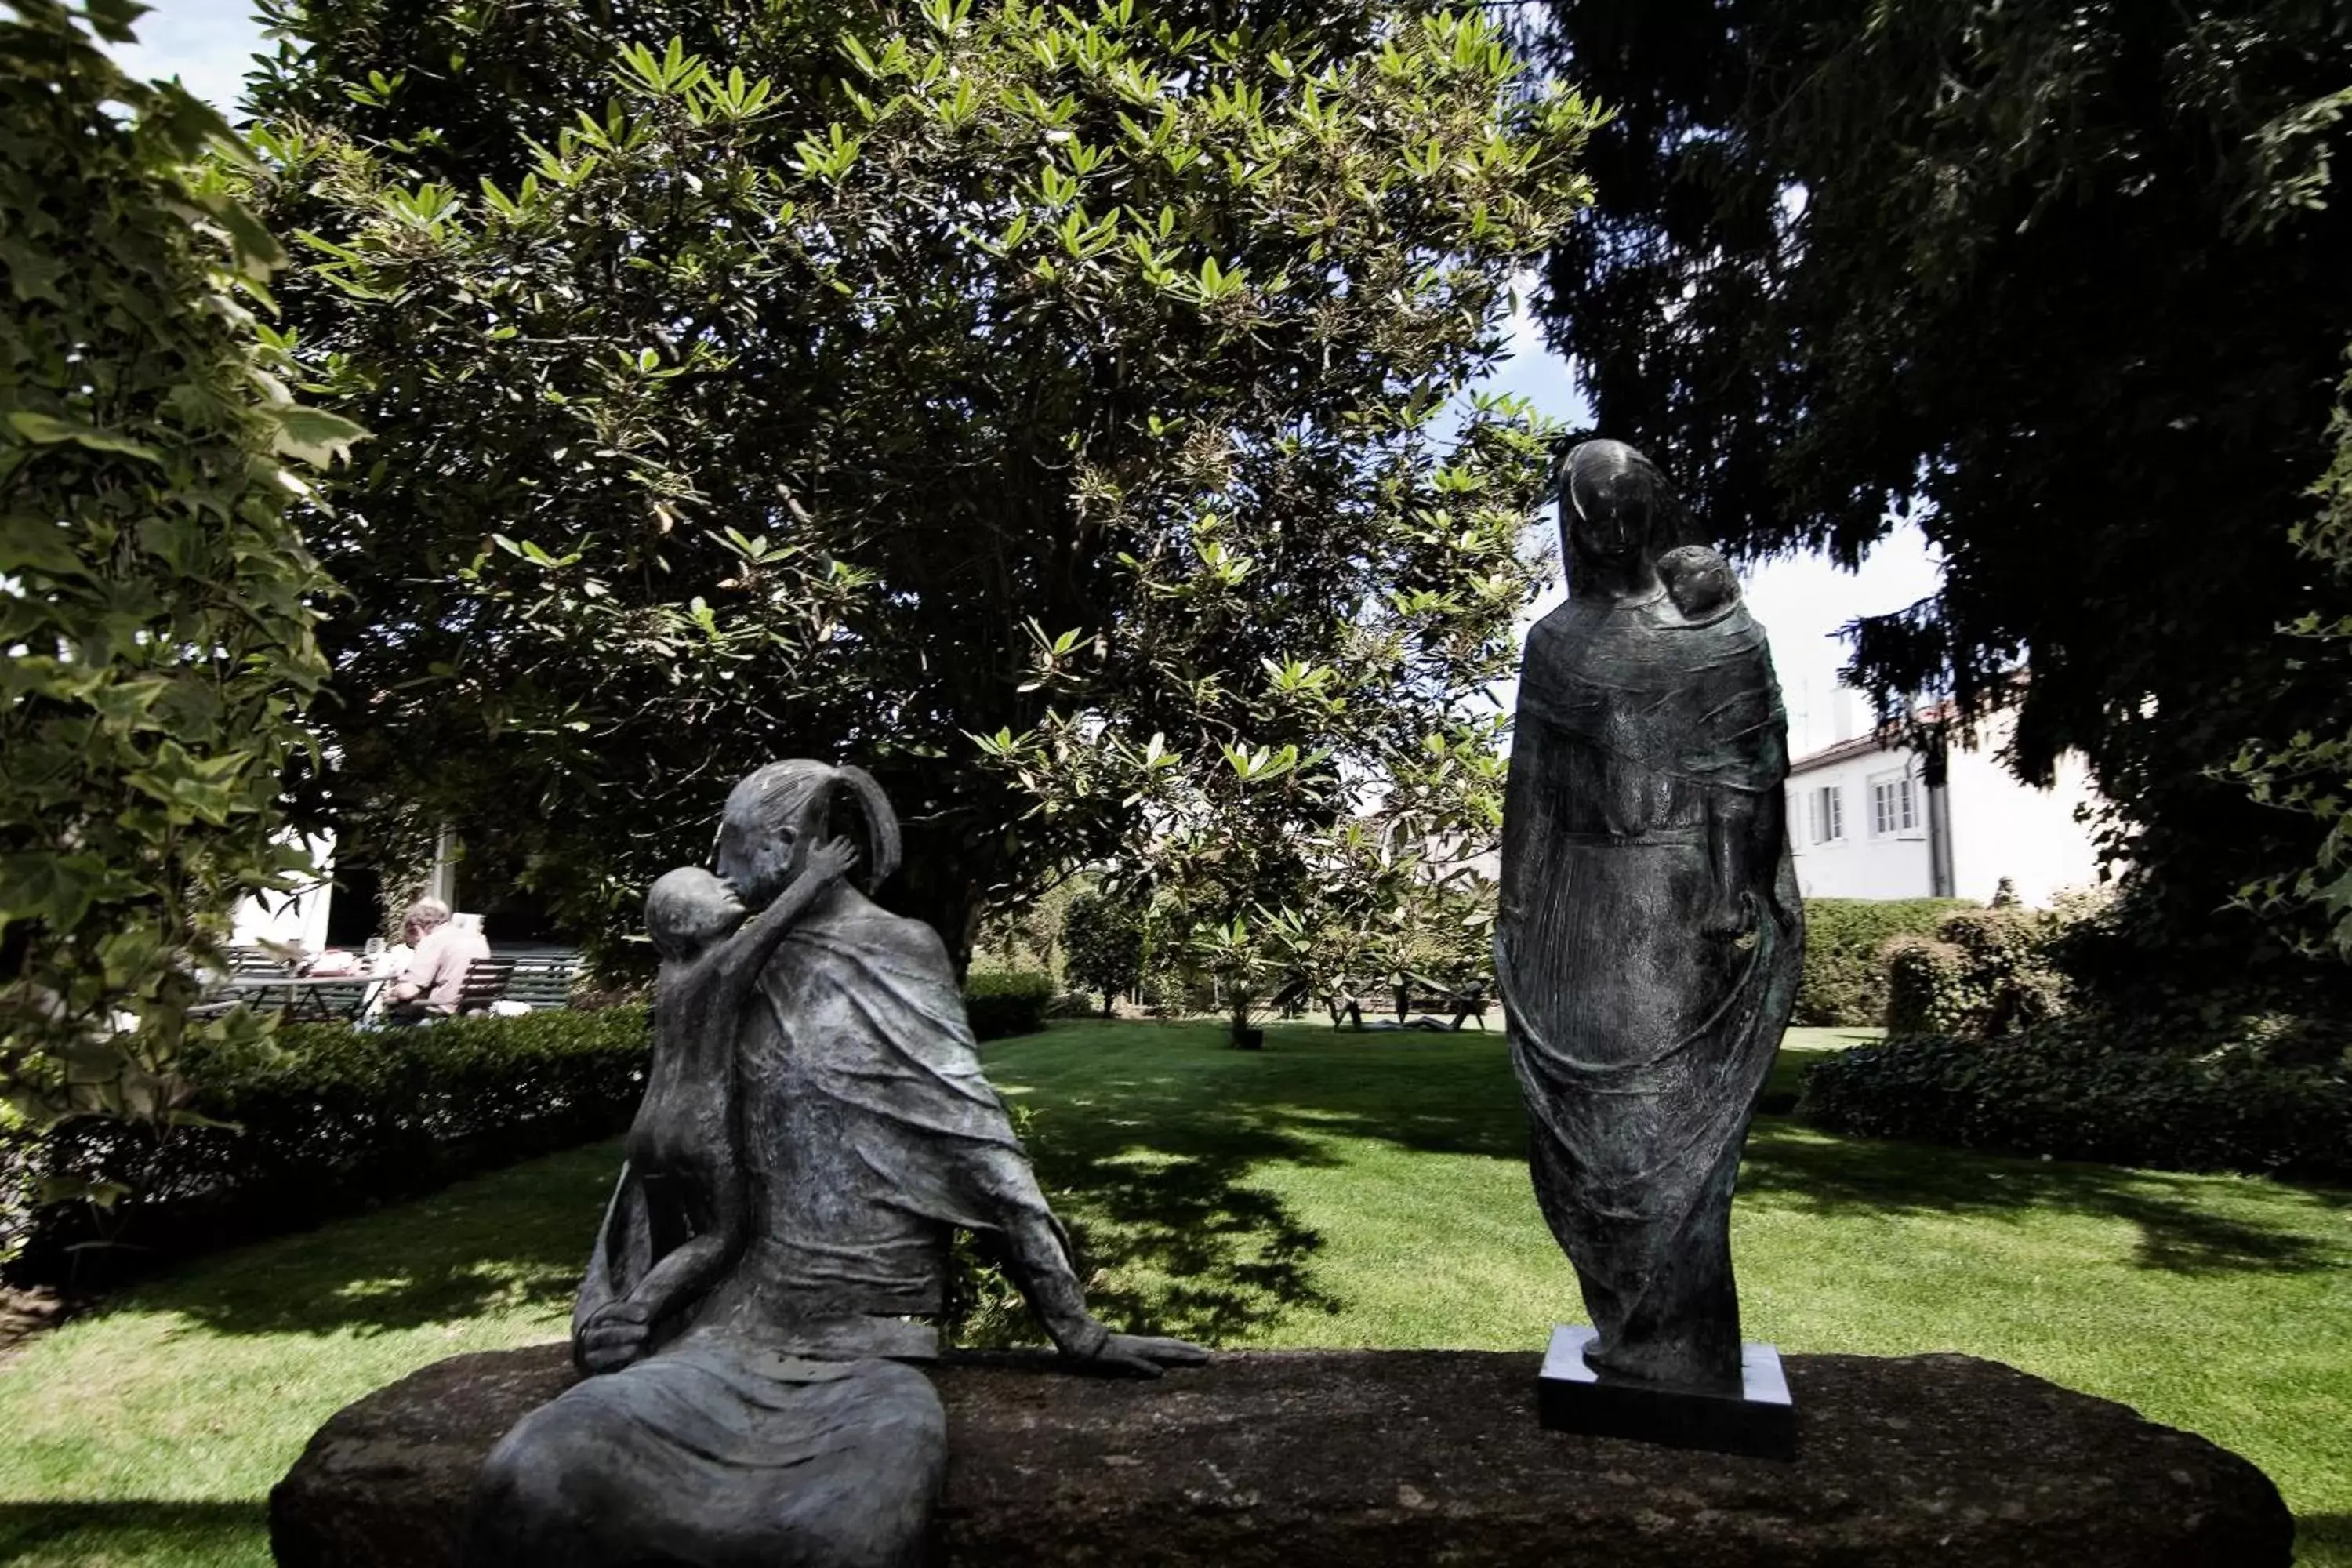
<point x="775" y="1423"/>
<point x="1642" y="1037"/>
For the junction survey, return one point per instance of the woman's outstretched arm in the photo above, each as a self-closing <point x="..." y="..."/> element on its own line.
<point x="1037" y="1255"/>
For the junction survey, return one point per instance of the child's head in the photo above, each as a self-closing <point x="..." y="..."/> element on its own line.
<point x="690" y="908"/>
<point x="1698" y="580"/>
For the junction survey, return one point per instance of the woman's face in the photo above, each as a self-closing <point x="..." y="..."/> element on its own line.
<point x="1610" y="515"/>
<point x="760" y="852"/>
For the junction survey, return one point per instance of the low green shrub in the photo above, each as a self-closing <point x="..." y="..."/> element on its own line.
<point x="1844" y="978"/>
<point x="1927" y="984"/>
<point x="326" y="1121"/>
<point x="1003" y="1001"/>
<point x="2065" y="1090"/>
<point x="1985" y="973"/>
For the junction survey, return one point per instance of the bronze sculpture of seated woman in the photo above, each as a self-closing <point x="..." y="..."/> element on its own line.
<point x="751" y="1323"/>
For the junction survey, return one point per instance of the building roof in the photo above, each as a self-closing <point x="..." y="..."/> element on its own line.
<point x="1882" y="739"/>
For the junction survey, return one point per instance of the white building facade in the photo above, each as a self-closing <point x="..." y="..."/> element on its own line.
<point x="1864" y="824"/>
<point x="297" y="917"/>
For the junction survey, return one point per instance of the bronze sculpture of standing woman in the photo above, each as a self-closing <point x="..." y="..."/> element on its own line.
<point x="1650" y="934"/>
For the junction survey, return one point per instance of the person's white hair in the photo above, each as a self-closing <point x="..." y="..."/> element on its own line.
<point x="426" y="914"/>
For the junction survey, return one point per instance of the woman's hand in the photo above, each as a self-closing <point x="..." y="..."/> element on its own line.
<point x="831" y="860"/>
<point x="1143" y="1356"/>
<point x="615" y="1336"/>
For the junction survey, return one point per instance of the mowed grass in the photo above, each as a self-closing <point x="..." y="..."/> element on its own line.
<point x="1333" y="1190"/>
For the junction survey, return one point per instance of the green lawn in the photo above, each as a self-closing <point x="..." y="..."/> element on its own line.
<point x="1334" y="1190"/>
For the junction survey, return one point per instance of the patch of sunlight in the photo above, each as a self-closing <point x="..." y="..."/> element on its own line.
<point x="1142" y="1158"/>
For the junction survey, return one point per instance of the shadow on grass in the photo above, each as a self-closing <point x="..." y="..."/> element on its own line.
<point x="1456" y="1095"/>
<point x="129" y="1530"/>
<point x="2179" y="1231"/>
<point x="2323" y="1538"/>
<point x="513" y="1240"/>
<point x="1197" y="1252"/>
<point x="1146" y="1137"/>
<point x="1153" y="1149"/>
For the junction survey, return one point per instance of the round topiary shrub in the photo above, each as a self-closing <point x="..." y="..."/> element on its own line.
<point x="1845" y="978"/>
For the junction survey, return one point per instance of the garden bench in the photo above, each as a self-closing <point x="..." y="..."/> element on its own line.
<point x="542" y="980"/>
<point x="1410" y="993"/>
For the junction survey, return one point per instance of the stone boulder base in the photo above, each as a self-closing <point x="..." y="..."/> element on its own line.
<point x="1360" y="1459"/>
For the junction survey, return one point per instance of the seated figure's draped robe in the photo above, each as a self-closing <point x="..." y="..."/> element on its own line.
<point x="774" y="1422"/>
<point x="1640" y="1035"/>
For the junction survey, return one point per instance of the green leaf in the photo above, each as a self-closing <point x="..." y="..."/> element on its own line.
<point x="30" y="543"/>
<point x="44" y="429"/>
<point x="56" y="890"/>
<point x="313" y="435"/>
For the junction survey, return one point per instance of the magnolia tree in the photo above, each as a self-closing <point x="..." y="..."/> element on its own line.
<point x="157" y="605"/>
<point x="1270" y="872"/>
<point x="1062" y="414"/>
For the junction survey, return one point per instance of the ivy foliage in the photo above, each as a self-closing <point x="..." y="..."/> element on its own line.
<point x="1057" y="411"/>
<point x="157" y="606"/>
<point x="1868" y="258"/>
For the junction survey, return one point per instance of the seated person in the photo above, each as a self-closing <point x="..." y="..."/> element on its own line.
<point x="442" y="949"/>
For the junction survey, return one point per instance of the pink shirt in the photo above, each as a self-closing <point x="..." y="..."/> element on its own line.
<point x="437" y="967"/>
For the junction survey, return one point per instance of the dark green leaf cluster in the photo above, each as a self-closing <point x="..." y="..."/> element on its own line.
<point x="983" y="1308"/>
<point x="2059" y="279"/>
<point x="2071" y="1093"/>
<point x="2310" y="770"/>
<point x="325" y="1121"/>
<point x="2213" y="991"/>
<point x="1844" y="983"/>
<point x="1058" y="412"/>
<point x="155" y="604"/>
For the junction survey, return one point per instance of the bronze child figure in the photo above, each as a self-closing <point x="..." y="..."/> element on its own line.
<point x="681" y="1144"/>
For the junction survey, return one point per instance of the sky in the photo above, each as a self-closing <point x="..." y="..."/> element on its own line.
<point x="1801" y="601"/>
<point x="207" y="44"/>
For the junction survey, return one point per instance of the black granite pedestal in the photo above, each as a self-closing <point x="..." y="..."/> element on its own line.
<point x="1760" y="1421"/>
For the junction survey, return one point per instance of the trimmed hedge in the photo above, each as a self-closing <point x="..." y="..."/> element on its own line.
<point x="1846" y="977"/>
<point x="332" y="1121"/>
<point x="2061" y="1092"/>
<point x="1007" y="1002"/>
